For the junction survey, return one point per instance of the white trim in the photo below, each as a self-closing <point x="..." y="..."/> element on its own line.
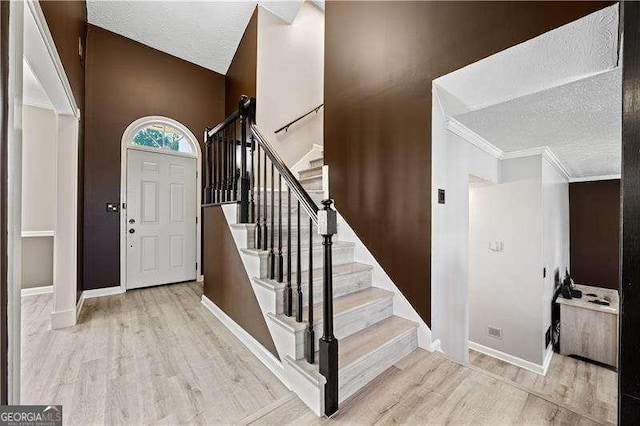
<point x="63" y="319"/>
<point x="38" y="234"/>
<point x="35" y="291"/>
<point x="79" y="306"/>
<point x="473" y="138"/>
<point x="127" y="136"/>
<point x="519" y="362"/>
<point x="200" y="278"/>
<point x="547" y="360"/>
<point x="101" y="292"/>
<point x="593" y="178"/>
<point x="260" y="352"/>
<point x="41" y="22"/>
<point x="436" y="346"/>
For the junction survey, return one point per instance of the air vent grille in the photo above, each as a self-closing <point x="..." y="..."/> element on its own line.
<point x="494" y="332"/>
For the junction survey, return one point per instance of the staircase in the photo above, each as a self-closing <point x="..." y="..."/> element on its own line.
<point x="371" y="339"/>
<point x="329" y="349"/>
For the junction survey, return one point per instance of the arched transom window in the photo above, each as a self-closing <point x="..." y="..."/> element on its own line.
<point x="162" y="135"/>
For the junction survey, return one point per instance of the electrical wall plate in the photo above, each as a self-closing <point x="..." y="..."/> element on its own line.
<point x="113" y="207"/>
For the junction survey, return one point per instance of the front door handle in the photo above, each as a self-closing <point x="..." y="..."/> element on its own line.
<point x="132" y="231"/>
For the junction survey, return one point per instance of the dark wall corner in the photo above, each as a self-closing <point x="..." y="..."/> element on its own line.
<point x="241" y="76"/>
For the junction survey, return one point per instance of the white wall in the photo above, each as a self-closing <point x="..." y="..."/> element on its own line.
<point x="454" y="159"/>
<point x="505" y="287"/>
<point x="290" y="79"/>
<point x="556" y="229"/>
<point x="38" y="194"/>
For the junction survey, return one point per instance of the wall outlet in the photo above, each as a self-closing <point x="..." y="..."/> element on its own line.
<point x="494" y="332"/>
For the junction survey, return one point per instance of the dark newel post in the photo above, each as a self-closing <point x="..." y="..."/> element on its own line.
<point x="288" y="292"/>
<point x="309" y="334"/>
<point x="327" y="227"/>
<point x="207" y="168"/>
<point x="243" y="208"/>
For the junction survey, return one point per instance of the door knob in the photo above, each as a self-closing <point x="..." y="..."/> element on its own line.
<point x="132" y="231"/>
<point x="132" y="221"/>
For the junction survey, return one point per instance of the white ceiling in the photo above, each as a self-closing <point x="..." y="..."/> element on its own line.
<point x="32" y="92"/>
<point x="579" y="121"/>
<point x="206" y="33"/>
<point x="561" y="90"/>
<point x="581" y="48"/>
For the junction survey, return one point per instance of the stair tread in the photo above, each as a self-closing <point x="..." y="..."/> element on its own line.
<point x="316" y="159"/>
<point x="341" y="305"/>
<point x="309" y="178"/>
<point x="317" y="169"/>
<point x="364" y="342"/>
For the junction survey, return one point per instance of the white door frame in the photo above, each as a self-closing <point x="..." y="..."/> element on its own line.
<point x="127" y="136"/>
<point x="57" y="86"/>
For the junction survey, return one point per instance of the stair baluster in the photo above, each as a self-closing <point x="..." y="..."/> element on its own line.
<point x="299" y="273"/>
<point x="272" y="254"/>
<point x="258" y="231"/>
<point x="288" y="293"/>
<point x="280" y="259"/>
<point x="309" y="334"/>
<point x="252" y="203"/>
<point x="265" y="230"/>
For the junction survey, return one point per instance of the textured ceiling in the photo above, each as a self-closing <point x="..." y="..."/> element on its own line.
<point x="579" y="121"/>
<point x="204" y="33"/>
<point x="32" y="92"/>
<point x="581" y="48"/>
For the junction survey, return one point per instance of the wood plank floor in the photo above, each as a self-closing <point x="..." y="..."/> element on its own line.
<point x="583" y="387"/>
<point x="157" y="356"/>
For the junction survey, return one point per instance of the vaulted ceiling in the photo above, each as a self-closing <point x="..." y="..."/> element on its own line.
<point x="206" y="33"/>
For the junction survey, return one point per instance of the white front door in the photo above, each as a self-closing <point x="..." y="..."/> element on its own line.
<point x="161" y="218"/>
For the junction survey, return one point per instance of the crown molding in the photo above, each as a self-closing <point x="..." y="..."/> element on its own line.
<point x="543" y="151"/>
<point x="472" y="137"/>
<point x="593" y="178"/>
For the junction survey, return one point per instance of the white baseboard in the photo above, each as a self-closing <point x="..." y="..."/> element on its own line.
<point x="100" y="292"/>
<point x="518" y="362"/>
<point x="37" y="234"/>
<point x="259" y="351"/>
<point x="200" y="278"/>
<point x="34" y="291"/>
<point x="79" y="306"/>
<point x="63" y="319"/>
<point x="436" y="346"/>
<point x="547" y="360"/>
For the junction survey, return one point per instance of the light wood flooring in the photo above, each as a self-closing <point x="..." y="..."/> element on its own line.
<point x="581" y="386"/>
<point x="158" y="356"/>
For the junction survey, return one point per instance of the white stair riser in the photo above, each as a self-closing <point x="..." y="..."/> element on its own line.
<point x="365" y="370"/>
<point x="312" y="172"/>
<point x="341" y="255"/>
<point x="317" y="162"/>
<point x="304" y="238"/>
<point x="342" y="284"/>
<point x="346" y="324"/>
<point x="312" y="184"/>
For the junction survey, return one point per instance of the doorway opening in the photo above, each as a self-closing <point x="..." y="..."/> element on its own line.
<point x="516" y="138"/>
<point x="160" y="223"/>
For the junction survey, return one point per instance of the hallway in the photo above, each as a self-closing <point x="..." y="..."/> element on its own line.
<point x="157" y="355"/>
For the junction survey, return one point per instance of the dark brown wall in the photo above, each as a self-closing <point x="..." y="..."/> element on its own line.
<point x="241" y="76"/>
<point x="67" y="22"/>
<point x="226" y="282"/>
<point x="595" y="232"/>
<point x="125" y="81"/>
<point x="380" y="59"/>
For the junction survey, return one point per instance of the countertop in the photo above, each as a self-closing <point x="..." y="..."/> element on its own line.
<point x="603" y="293"/>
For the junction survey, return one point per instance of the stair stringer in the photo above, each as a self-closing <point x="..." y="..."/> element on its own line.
<point x="401" y="306"/>
<point x="309" y="391"/>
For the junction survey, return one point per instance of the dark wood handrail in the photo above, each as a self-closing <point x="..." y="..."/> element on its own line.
<point x="286" y="126"/>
